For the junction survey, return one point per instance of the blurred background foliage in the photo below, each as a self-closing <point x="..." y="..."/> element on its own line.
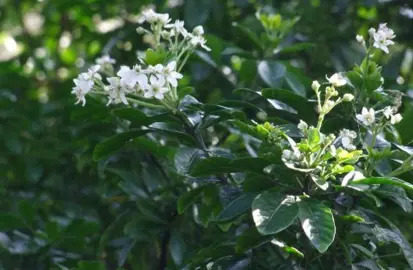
<point x="59" y="209"/>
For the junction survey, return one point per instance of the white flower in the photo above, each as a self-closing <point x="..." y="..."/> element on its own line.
<point x="129" y="78"/>
<point x="315" y="86"/>
<point x="92" y="72"/>
<point x="105" y="59"/>
<point x="388" y="112"/>
<point x="382" y="37"/>
<point x="116" y="92"/>
<point x="302" y="125"/>
<point x="151" y="16"/>
<point x="171" y="75"/>
<point x="178" y="28"/>
<point x="199" y="41"/>
<point x="381" y="42"/>
<point x="347" y="137"/>
<point x="395" y="119"/>
<point x="83" y="86"/>
<point x="337" y="80"/>
<point x="367" y="116"/>
<point x="198" y="31"/>
<point x="156" y="88"/>
<point x="388" y="32"/>
<point x="348" y="97"/>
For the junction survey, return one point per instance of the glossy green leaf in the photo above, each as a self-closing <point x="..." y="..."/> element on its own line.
<point x="318" y="224"/>
<point x="272" y="73"/>
<point x="273" y="212"/>
<point x="250" y="239"/>
<point x="299" y="103"/>
<point x="218" y="165"/>
<point x="397" y="195"/>
<point x="115" y="143"/>
<point x="91" y="265"/>
<point x="188" y="199"/>
<point x="384" y="181"/>
<point x="237" y="207"/>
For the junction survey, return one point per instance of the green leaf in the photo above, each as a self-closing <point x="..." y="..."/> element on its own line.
<point x="294" y="83"/>
<point x="182" y="92"/>
<point x="313" y="137"/>
<point x="271" y="72"/>
<point x="298" y="47"/>
<point x="299" y="103"/>
<point x="386" y="235"/>
<point x="383" y="181"/>
<point x="237" y="207"/>
<point x="91" y="265"/>
<point x="273" y="212"/>
<point x="137" y="117"/>
<point x="248" y="129"/>
<point x="317" y="222"/>
<point x="217" y="165"/>
<point x="9" y="221"/>
<point x="288" y="249"/>
<point x="153" y="58"/>
<point x="250" y="35"/>
<point x="185" y="158"/>
<point x="188" y="199"/>
<point x="397" y="195"/>
<point x="115" y="143"/>
<point x="151" y="146"/>
<point x="250" y="239"/>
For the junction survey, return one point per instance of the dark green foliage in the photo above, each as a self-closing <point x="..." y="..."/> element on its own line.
<point x="96" y="187"/>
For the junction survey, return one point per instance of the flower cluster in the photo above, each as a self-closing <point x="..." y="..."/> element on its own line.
<point x="158" y="80"/>
<point x="336" y="80"/>
<point x="368" y="116"/>
<point x="380" y="38"/>
<point x="175" y="34"/>
<point x="84" y="84"/>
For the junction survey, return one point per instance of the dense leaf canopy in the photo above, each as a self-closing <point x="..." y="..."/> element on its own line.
<point x="206" y="184"/>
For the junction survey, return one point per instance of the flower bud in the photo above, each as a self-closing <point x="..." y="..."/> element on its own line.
<point x="348" y="97"/>
<point x="372" y="31"/>
<point x="140" y="30"/>
<point x="360" y="39"/>
<point x="302" y="125"/>
<point x="315" y="86"/>
<point x="199" y="30"/>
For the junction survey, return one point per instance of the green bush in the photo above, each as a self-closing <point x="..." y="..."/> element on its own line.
<point x="247" y="135"/>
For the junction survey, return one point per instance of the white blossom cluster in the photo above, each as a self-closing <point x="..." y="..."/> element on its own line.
<point x="381" y="38"/>
<point x="178" y="38"/>
<point x="149" y="81"/>
<point x="336" y="80"/>
<point x="368" y="116"/>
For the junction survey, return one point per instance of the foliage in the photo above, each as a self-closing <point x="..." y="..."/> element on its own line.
<point x="240" y="163"/>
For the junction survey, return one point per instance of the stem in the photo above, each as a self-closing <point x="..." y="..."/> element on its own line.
<point x="145" y="104"/>
<point x="164" y="250"/>
<point x="371" y="164"/>
<point x="320" y="121"/>
<point x="184" y="61"/>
